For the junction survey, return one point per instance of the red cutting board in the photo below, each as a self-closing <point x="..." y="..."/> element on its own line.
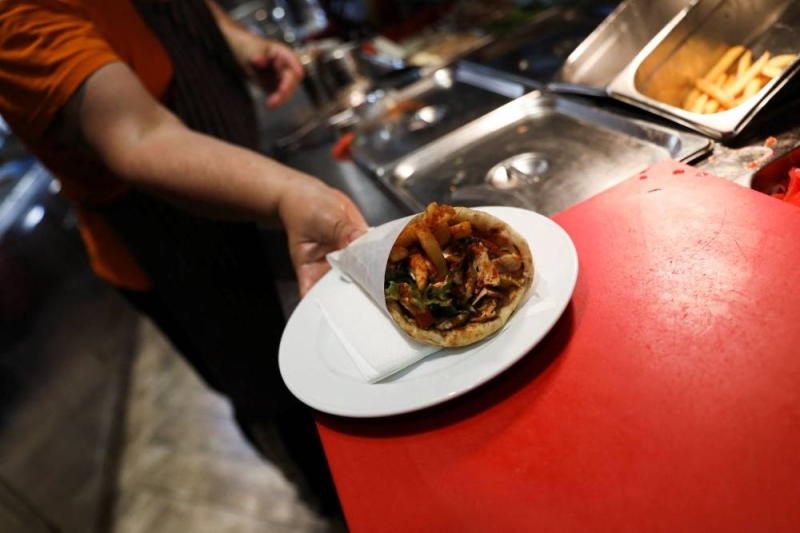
<point x="667" y="398"/>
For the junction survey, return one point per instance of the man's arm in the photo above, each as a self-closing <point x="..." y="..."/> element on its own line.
<point x="147" y="147"/>
<point x="273" y="66"/>
<point x="238" y="37"/>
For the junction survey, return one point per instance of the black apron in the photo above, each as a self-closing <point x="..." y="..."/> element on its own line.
<point x="212" y="280"/>
<point x="213" y="291"/>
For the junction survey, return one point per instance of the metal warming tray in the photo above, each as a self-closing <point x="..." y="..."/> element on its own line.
<point x="664" y="72"/>
<point x="594" y="64"/>
<point x="538" y="50"/>
<point x="540" y="152"/>
<point x="428" y="110"/>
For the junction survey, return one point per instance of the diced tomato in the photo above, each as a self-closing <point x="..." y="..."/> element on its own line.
<point x="341" y="150"/>
<point x="793" y="190"/>
<point x="425" y="319"/>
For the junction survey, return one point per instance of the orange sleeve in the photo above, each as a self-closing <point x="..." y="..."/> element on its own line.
<point x="48" y="48"/>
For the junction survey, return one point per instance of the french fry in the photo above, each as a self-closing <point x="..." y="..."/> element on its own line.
<point x="751" y="73"/>
<point x="724" y="62"/>
<point x="771" y="72"/>
<point x="752" y="88"/>
<point x="700" y="103"/>
<point x="712" y="106"/>
<point x="782" y="61"/>
<point x="691" y="98"/>
<point x="398" y="253"/>
<point x="744" y="63"/>
<point x="729" y="82"/>
<point x="461" y="230"/>
<point x="407" y="237"/>
<point x="442" y="233"/>
<point x="432" y="249"/>
<point x="442" y="213"/>
<point x="715" y="92"/>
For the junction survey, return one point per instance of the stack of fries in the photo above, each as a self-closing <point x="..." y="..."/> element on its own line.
<point x="734" y="79"/>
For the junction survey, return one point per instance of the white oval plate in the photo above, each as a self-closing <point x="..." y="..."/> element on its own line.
<point x="318" y="370"/>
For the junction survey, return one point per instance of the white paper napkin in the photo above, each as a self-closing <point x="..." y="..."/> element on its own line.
<point x="356" y="310"/>
<point x="371" y="338"/>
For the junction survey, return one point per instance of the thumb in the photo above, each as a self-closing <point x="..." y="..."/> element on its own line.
<point x="350" y="224"/>
<point x="346" y="231"/>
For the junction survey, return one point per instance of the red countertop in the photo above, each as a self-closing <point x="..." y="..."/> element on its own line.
<point x="667" y="398"/>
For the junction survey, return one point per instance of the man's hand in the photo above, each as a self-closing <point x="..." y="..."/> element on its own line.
<point x="272" y="65"/>
<point x="318" y="220"/>
<point x="276" y="69"/>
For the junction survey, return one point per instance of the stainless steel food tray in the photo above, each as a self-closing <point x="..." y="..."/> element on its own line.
<point x="540" y="152"/>
<point x="430" y="109"/>
<point x="538" y="50"/>
<point x="594" y="64"/>
<point x="665" y="70"/>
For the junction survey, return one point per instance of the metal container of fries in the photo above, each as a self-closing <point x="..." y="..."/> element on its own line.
<point x="429" y="109"/>
<point x="594" y="64"/>
<point x="716" y="64"/>
<point x="540" y="152"/>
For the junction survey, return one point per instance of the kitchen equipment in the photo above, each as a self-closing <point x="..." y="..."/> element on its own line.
<point x="308" y="16"/>
<point x="428" y="110"/>
<point x="540" y="152"/>
<point x="337" y="117"/>
<point x="539" y="48"/>
<point x="341" y="69"/>
<point x="341" y="74"/>
<point x="445" y="48"/>
<point x="664" y="72"/>
<point x="594" y="64"/>
<point x="315" y="82"/>
<point x="774" y="177"/>
<point x="265" y="18"/>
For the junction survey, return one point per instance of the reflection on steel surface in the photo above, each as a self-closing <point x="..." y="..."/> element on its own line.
<point x="518" y="171"/>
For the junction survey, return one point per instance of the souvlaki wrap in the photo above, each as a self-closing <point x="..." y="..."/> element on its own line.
<point x="448" y="277"/>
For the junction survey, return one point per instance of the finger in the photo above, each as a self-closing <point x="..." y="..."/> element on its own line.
<point x="297" y="67"/>
<point x="308" y="275"/>
<point x="288" y="83"/>
<point x="350" y="233"/>
<point x="358" y="225"/>
<point x="286" y="58"/>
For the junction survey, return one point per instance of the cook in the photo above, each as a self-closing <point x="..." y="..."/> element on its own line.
<point x="141" y="110"/>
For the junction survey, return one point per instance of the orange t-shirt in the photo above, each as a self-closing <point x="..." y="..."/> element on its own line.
<point x="48" y="48"/>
